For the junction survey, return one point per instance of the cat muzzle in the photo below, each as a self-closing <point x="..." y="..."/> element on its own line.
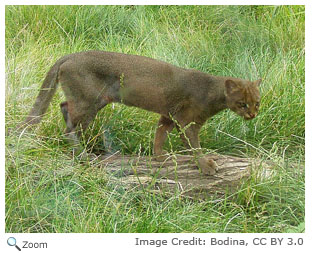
<point x="249" y="116"/>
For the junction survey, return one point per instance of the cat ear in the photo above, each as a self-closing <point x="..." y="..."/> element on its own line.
<point x="258" y="82"/>
<point x="231" y="86"/>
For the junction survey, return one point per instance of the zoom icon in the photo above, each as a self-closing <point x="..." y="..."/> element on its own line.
<point x="12" y="242"/>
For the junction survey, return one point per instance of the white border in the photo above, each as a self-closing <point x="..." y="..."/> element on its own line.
<point x="157" y="2"/>
<point x="308" y="121"/>
<point x="108" y="242"/>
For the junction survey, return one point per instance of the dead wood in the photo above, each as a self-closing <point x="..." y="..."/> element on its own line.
<point x="179" y="173"/>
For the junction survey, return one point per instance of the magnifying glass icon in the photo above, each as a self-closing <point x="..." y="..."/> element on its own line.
<point x="12" y="242"/>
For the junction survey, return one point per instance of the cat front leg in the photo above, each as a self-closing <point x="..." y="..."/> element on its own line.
<point x="191" y="136"/>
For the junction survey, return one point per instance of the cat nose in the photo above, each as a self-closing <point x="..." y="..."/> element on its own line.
<point x="252" y="115"/>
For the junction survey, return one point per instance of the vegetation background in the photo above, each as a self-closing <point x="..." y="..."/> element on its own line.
<point x="47" y="190"/>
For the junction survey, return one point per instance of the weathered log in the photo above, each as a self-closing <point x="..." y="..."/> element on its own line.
<point x="179" y="173"/>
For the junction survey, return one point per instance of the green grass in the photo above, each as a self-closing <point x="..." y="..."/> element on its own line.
<point x="48" y="191"/>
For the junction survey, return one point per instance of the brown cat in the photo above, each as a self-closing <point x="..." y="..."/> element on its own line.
<point x="184" y="98"/>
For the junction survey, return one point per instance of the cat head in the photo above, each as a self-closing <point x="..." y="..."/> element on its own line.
<point x="243" y="97"/>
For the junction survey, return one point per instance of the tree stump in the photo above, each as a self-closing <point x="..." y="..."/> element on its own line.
<point x="179" y="173"/>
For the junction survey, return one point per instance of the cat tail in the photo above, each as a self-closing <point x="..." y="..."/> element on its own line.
<point x="46" y="93"/>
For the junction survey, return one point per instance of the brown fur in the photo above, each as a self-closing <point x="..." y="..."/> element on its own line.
<point x="183" y="97"/>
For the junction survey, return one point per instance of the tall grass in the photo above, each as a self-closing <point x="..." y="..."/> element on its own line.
<point x="46" y="191"/>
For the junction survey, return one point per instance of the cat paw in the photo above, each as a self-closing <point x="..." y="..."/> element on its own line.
<point x="161" y="157"/>
<point x="207" y="166"/>
<point x="84" y="156"/>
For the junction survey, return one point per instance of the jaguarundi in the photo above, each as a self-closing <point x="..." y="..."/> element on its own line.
<point x="185" y="98"/>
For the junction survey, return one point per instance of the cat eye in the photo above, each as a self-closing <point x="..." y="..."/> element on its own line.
<point x="242" y="105"/>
